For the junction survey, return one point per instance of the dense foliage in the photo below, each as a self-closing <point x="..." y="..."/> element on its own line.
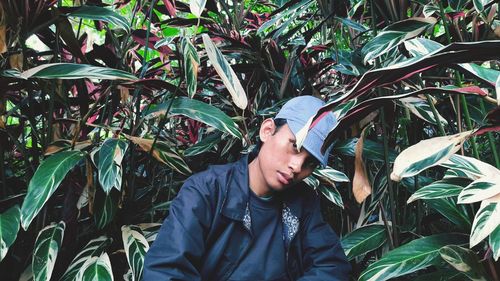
<point x="106" y="107"/>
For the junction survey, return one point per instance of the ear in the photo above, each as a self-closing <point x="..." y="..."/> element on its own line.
<point x="267" y="129"/>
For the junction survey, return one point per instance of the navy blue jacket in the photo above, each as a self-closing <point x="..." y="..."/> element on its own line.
<point x="208" y="231"/>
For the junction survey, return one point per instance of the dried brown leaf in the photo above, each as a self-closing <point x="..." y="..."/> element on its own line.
<point x="16" y="61"/>
<point x="361" y="187"/>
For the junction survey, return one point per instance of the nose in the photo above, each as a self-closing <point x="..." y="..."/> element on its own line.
<point x="296" y="162"/>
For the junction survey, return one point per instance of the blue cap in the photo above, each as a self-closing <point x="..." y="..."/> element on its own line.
<point x="297" y="113"/>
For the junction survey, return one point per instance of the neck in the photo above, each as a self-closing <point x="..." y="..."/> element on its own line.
<point x="256" y="179"/>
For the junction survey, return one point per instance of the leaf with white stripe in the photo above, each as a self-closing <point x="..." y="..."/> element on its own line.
<point x="94" y="248"/>
<point x="9" y="227"/>
<point x="45" y="181"/>
<point x="196" y="7"/>
<point x="486" y="220"/>
<point x="96" y="268"/>
<point x="425" y="154"/>
<point x="110" y="163"/>
<point x="332" y="194"/>
<point x="226" y="73"/>
<point x="463" y="260"/>
<point x="495" y="242"/>
<point x="440" y="189"/>
<point x="422" y="110"/>
<point x="75" y="71"/>
<point x="472" y="167"/>
<point x="102" y="14"/>
<point x="150" y="231"/>
<point x="331" y="175"/>
<point x="47" y="245"/>
<point x="136" y="247"/>
<point x="363" y="240"/>
<point x="199" y="111"/>
<point x="449" y="208"/>
<point x="191" y="63"/>
<point x="410" y="257"/>
<point x="479" y="190"/>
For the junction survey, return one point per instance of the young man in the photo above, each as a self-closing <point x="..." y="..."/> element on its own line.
<point x="254" y="219"/>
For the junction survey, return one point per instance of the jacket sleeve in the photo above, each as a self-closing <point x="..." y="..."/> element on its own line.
<point x="177" y="249"/>
<point x="323" y="257"/>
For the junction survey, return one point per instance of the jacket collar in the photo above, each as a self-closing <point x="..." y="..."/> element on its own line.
<point x="237" y="193"/>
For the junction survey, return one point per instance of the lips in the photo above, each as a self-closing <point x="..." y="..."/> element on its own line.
<point x="284" y="178"/>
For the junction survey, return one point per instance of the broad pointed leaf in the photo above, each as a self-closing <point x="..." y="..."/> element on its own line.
<point x="331" y="175"/>
<point x="332" y="194"/>
<point x="487" y="219"/>
<point x="136" y="247"/>
<point x="105" y="207"/>
<point x="415" y="255"/>
<point x="463" y="260"/>
<point x="102" y="14"/>
<point x="472" y="167"/>
<point x="96" y="268"/>
<point x="422" y="110"/>
<point x="110" y="163"/>
<point x="479" y="190"/>
<point x="449" y="209"/>
<point x="495" y="242"/>
<point x="191" y="63"/>
<point x="440" y="189"/>
<point x="45" y="181"/>
<point x="75" y="71"/>
<point x="163" y="153"/>
<point x="425" y="154"/>
<point x="363" y="240"/>
<point x="47" y="245"/>
<point x="9" y="227"/>
<point x="394" y="34"/>
<point x="197" y="7"/>
<point x="199" y="111"/>
<point x="94" y="248"/>
<point x="204" y="145"/>
<point x="226" y="73"/>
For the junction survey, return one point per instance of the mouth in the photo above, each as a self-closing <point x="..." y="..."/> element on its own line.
<point x="284" y="178"/>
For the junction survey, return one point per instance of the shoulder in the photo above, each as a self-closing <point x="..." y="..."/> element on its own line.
<point x="211" y="180"/>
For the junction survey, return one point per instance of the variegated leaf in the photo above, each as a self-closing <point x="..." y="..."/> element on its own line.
<point x="105" y="207"/>
<point x="449" y="209"/>
<point x="110" y="161"/>
<point x="472" y="167"/>
<point x="332" y="194"/>
<point x="415" y="255"/>
<point x="9" y="227"/>
<point x="136" y="247"/>
<point x="163" y="153"/>
<point x="479" y="190"/>
<point x="425" y="154"/>
<point x="439" y="189"/>
<point x="331" y="175"/>
<point x="495" y="242"/>
<point x="463" y="260"/>
<point x="191" y="63"/>
<point x="96" y="268"/>
<point x="196" y="7"/>
<point x="94" y="248"/>
<point x="75" y="71"/>
<point x="226" y="73"/>
<point x="363" y="240"/>
<point x="422" y="110"/>
<point x="150" y="231"/>
<point x="47" y="245"/>
<point x="486" y="220"/>
<point x="311" y="181"/>
<point x="102" y="14"/>
<point x="45" y="181"/>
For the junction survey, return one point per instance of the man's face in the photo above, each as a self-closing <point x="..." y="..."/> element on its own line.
<point x="281" y="164"/>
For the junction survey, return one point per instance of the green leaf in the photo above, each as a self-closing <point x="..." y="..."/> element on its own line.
<point x="102" y="14"/>
<point x="486" y="220"/>
<point x="352" y="24"/>
<point x="463" y="260"/>
<point x="191" y="63"/>
<point x="425" y="154"/>
<point x="332" y="194"/>
<point x="96" y="268"/>
<point x="110" y="163"/>
<point x="311" y="181"/>
<point x="479" y="190"/>
<point x="9" y="227"/>
<point x="164" y="153"/>
<point x="150" y="231"/>
<point x="393" y="35"/>
<point x="94" y="248"/>
<point x="197" y="6"/>
<point x="199" y="111"/>
<point x="75" y="71"/>
<point x="136" y="247"/>
<point x="495" y="242"/>
<point x="415" y="255"/>
<point x="422" y="110"/>
<point x="363" y="240"/>
<point x="439" y="189"/>
<point x="47" y="245"/>
<point x="472" y="167"/>
<point x="105" y="207"/>
<point x="479" y="4"/>
<point x="204" y="145"/>
<point x="331" y="175"/>
<point x="450" y="210"/>
<point x="371" y="150"/>
<point x="45" y="181"/>
<point x="226" y="73"/>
